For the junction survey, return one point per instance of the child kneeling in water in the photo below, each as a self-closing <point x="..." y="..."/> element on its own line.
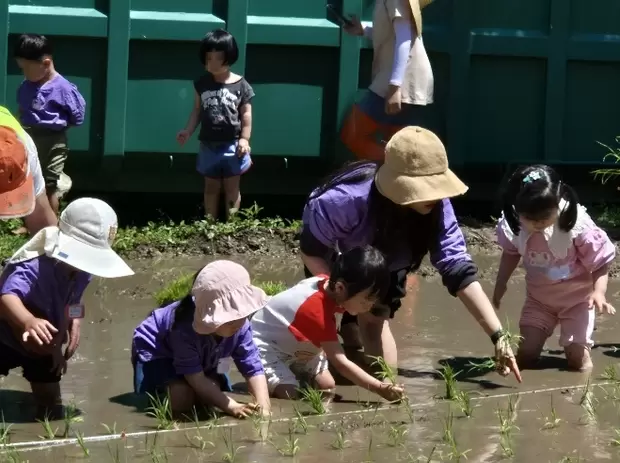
<point x="566" y="259"/>
<point x="296" y="332"/>
<point x="41" y="294"/>
<point x="179" y="349"/>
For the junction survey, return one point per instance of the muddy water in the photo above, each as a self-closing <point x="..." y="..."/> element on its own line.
<point x="431" y="329"/>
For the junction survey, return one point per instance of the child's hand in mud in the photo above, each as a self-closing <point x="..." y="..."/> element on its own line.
<point x="391" y="392"/>
<point x="599" y="301"/>
<point x="241" y="410"/>
<point x="505" y="359"/>
<point x="40" y="330"/>
<point x="498" y="294"/>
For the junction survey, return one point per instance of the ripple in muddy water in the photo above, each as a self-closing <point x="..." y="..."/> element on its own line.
<point x="553" y="416"/>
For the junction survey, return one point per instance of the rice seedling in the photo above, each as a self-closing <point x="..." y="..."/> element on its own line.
<point x="610" y="373"/>
<point x="314" y="397"/>
<point x="109" y="430"/>
<point x="506" y="421"/>
<point x="456" y="454"/>
<point x="158" y="456"/>
<point x="616" y="440"/>
<point x="370" y="445"/>
<point x="340" y="442"/>
<point x="449" y="377"/>
<point x="291" y="444"/>
<point x="80" y="440"/>
<point x="197" y="441"/>
<point x="300" y="423"/>
<point x="505" y="443"/>
<point x="271" y="288"/>
<point x="231" y="448"/>
<point x="161" y="411"/>
<point x="463" y="400"/>
<point x="410" y="411"/>
<point x="48" y="431"/>
<point x="71" y="416"/>
<point x="5" y="432"/>
<point x="397" y="435"/>
<point x="448" y="423"/>
<point x="115" y="453"/>
<point x="552" y="420"/>
<point x="13" y="456"/>
<point x="385" y="371"/>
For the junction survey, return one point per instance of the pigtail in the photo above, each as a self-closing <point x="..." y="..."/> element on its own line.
<point x="568" y="215"/>
<point x="509" y="198"/>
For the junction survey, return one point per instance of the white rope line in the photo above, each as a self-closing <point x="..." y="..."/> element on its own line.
<point x="46" y="444"/>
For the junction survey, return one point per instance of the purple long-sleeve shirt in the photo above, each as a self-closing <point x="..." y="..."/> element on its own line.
<point x="46" y="287"/>
<point x="158" y="337"/>
<point x="341" y="215"/>
<point x="55" y="105"/>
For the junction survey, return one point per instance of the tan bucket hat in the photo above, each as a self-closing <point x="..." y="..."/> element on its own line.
<point x="416" y="11"/>
<point x="416" y="169"/>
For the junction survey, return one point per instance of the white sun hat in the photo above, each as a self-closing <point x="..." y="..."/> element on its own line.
<point x="83" y="239"/>
<point x="87" y="228"/>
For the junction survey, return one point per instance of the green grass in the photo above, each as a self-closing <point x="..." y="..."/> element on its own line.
<point x="166" y="236"/>
<point x="271" y="287"/>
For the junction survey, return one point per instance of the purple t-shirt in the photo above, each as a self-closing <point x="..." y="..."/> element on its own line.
<point x="46" y="287"/>
<point x="190" y="352"/>
<point x="341" y="215"/>
<point x="55" y="105"/>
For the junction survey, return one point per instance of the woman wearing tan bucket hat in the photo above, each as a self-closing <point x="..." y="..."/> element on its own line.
<point x="402" y="84"/>
<point x="402" y="207"/>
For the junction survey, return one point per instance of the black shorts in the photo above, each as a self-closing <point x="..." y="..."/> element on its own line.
<point x="390" y="303"/>
<point x="35" y="369"/>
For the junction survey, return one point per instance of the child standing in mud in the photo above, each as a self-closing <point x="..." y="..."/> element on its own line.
<point x="296" y="332"/>
<point x="223" y="109"/>
<point x="566" y="258"/>
<point x="41" y="291"/>
<point x="181" y="349"/>
<point x="48" y="105"/>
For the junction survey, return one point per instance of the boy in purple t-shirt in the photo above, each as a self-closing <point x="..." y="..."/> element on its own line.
<point x="48" y="105"/>
<point x="41" y="290"/>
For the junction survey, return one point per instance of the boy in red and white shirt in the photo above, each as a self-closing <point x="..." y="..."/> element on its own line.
<point x="296" y="332"/>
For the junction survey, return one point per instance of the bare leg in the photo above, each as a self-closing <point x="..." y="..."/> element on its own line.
<point x="52" y="197"/>
<point x="377" y="338"/>
<point x="578" y="357"/>
<point x="47" y="398"/>
<point x="213" y="187"/>
<point x="531" y="346"/>
<point x="232" y="195"/>
<point x="286" y="392"/>
<point x="182" y="397"/>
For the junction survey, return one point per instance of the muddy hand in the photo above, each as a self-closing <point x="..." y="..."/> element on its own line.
<point x="391" y="392"/>
<point x="506" y="361"/>
<point x="599" y="301"/>
<point x="243" y="410"/>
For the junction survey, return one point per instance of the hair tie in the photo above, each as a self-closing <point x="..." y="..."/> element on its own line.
<point x="532" y="176"/>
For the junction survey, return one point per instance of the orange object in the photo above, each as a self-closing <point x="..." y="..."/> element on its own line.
<point x="365" y="137"/>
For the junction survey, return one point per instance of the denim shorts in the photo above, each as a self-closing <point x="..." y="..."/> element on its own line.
<point x="221" y="160"/>
<point x="153" y="377"/>
<point x="35" y="369"/>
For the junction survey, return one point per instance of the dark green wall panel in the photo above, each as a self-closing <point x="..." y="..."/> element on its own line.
<point x="509" y="87"/>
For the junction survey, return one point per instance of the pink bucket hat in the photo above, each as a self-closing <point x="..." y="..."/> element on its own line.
<point x="224" y="293"/>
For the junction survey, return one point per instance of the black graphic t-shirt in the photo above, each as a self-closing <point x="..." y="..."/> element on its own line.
<point x="220" y="103"/>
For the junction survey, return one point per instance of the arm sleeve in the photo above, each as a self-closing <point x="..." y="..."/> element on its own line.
<point x="330" y="217"/>
<point x="247" y="93"/>
<point x="594" y="247"/>
<point x="19" y="282"/>
<point x="504" y="238"/>
<point x="402" y="46"/>
<point x="450" y="256"/>
<point x="76" y="105"/>
<point x="185" y="357"/>
<point x="35" y="166"/>
<point x="246" y="355"/>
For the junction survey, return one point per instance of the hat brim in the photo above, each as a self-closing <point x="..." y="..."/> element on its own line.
<point x="241" y="303"/>
<point x="19" y="202"/>
<point x="100" y="262"/>
<point x="405" y="190"/>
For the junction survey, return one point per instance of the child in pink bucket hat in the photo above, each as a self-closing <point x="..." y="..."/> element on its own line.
<point x="180" y="349"/>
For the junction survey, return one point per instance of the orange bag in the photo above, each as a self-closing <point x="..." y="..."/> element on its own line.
<point x="364" y="136"/>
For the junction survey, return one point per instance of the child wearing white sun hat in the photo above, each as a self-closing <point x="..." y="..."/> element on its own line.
<point x="41" y="290"/>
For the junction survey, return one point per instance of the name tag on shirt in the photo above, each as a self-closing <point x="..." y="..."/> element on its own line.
<point x="75" y="311"/>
